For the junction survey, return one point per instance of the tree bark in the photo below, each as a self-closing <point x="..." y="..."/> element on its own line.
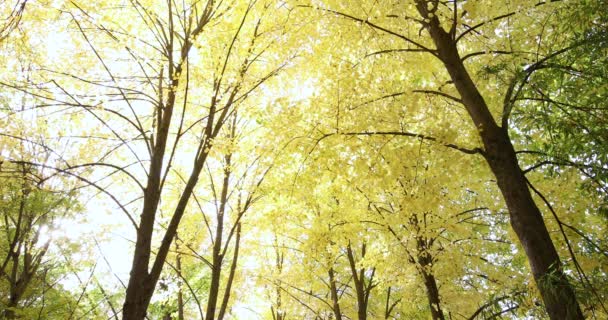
<point x="334" y="295"/>
<point x="180" y="294"/>
<point x="218" y="258"/>
<point x="389" y="307"/>
<point x="362" y="289"/>
<point x="23" y="263"/>
<point x="432" y="293"/>
<point x="143" y="279"/>
<point x="231" y="274"/>
<point x="425" y="266"/>
<point x="526" y="219"/>
<point x="279" y="313"/>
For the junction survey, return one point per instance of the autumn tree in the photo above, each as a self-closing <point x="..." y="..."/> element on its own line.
<point x="165" y="83"/>
<point x="11" y="16"/>
<point x="461" y="44"/>
<point x="318" y="159"/>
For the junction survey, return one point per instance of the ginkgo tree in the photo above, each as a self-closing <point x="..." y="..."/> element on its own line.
<point x="461" y="44"/>
<point x="187" y="68"/>
<point x="375" y="218"/>
<point x="324" y="159"/>
<point x="223" y="75"/>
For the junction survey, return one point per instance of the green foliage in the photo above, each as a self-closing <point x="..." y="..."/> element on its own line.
<point x="30" y="213"/>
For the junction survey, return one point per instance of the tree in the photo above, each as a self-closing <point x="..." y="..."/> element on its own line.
<point x="452" y="34"/>
<point x="12" y="19"/>
<point x="179" y="110"/>
<point x="29" y="211"/>
<point x="313" y="159"/>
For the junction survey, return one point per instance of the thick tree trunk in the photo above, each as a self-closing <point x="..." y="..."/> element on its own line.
<point x="430" y="283"/>
<point x="528" y="224"/>
<point x="9" y="312"/>
<point x="138" y="294"/>
<point x="432" y="293"/>
<point x="526" y="219"/>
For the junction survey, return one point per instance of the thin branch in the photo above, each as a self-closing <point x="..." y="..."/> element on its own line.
<point x="421" y="47"/>
<point x="439" y="93"/>
<point x="578" y="267"/>
<point x="406" y="134"/>
<point x="91" y="183"/>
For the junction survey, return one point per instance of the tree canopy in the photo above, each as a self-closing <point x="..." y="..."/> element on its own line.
<point x="304" y="159"/>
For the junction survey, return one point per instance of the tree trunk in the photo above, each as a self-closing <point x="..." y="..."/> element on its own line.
<point x="432" y="293"/>
<point x="231" y="274"/>
<point x="430" y="283"/>
<point x="143" y="277"/>
<point x="138" y="295"/>
<point x="425" y="265"/>
<point x="361" y="289"/>
<point x="279" y="313"/>
<point x="180" y="295"/>
<point x="9" y="312"/>
<point x="334" y="295"/>
<point x="218" y="259"/>
<point x="526" y="219"/>
<point x="141" y="285"/>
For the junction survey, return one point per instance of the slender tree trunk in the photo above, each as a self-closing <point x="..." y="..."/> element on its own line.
<point x="425" y="265"/>
<point x="143" y="276"/>
<point x="23" y="265"/>
<point x="361" y="289"/>
<point x="278" y="314"/>
<point x="233" y="265"/>
<point x="180" y="294"/>
<point x="141" y="286"/>
<point x="526" y="219"/>
<point x="218" y="259"/>
<point x="389" y="307"/>
<point x="334" y="295"/>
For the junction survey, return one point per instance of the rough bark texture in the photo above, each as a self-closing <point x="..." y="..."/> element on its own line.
<point x="526" y="219"/>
